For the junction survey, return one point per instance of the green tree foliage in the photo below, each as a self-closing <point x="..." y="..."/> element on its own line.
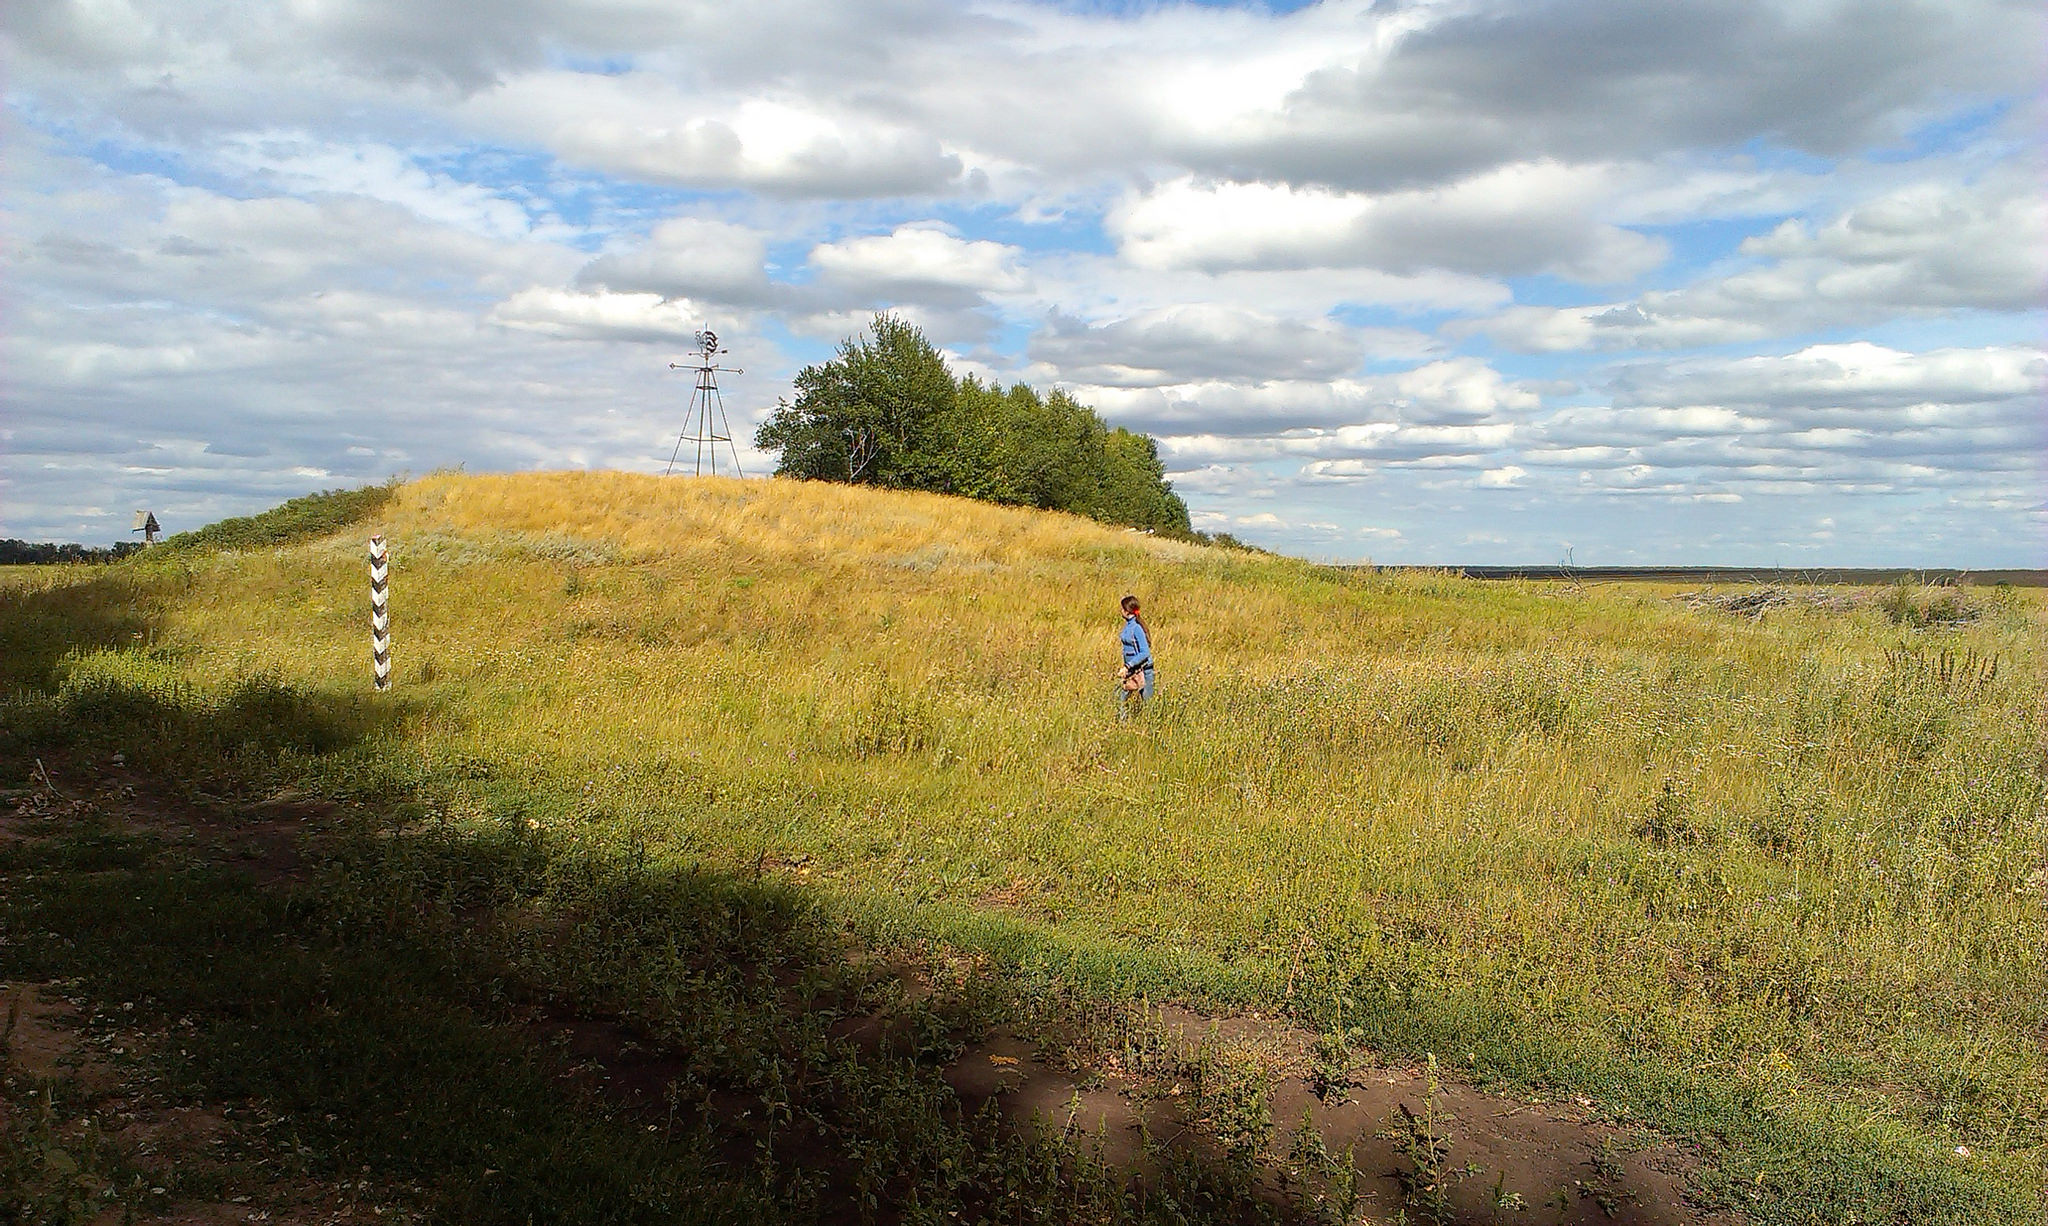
<point x="871" y="415"/>
<point x="887" y="411"/>
<point x="45" y="553"/>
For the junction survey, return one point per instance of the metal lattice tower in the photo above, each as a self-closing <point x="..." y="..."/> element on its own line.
<point x="705" y="422"/>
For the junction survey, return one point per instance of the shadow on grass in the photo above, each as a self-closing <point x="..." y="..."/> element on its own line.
<point x="407" y="1004"/>
<point x="114" y="610"/>
<point x="79" y="670"/>
<point x="119" y="607"/>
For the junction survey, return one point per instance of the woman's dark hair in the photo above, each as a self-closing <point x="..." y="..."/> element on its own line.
<point x="1130" y="606"/>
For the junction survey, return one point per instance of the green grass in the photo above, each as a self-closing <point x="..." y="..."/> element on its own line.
<point x="301" y="519"/>
<point x="1773" y="886"/>
<point x="349" y="1040"/>
<point x="375" y="1024"/>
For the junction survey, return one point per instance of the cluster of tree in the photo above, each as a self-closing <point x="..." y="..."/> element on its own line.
<point x="40" y="553"/>
<point x="887" y="411"/>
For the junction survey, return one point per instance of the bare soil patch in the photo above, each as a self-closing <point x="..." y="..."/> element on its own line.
<point x="1544" y="1162"/>
<point x="55" y="1054"/>
<point x="43" y="1040"/>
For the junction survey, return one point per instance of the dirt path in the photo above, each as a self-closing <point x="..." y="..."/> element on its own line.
<point x="67" y="1091"/>
<point x="1414" y="1143"/>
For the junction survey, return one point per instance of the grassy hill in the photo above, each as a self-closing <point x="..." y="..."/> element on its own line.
<point x="1777" y="887"/>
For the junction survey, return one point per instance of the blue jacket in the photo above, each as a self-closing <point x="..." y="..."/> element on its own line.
<point x="1137" y="647"/>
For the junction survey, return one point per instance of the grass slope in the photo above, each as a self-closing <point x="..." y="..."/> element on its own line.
<point x="1763" y="884"/>
<point x="314" y="515"/>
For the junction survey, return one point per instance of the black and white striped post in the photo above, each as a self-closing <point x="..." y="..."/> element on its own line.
<point x="380" y="612"/>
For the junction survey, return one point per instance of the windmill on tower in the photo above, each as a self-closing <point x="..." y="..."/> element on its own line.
<point x="145" y="523"/>
<point x="704" y="422"/>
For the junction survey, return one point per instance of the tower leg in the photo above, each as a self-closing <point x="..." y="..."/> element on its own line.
<point x="700" y="428"/>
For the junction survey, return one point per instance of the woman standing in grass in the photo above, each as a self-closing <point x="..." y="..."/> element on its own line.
<point x="1137" y="671"/>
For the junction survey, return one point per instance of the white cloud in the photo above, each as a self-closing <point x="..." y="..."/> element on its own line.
<point x="1925" y="247"/>
<point x="1460" y="389"/>
<point x="1194" y="341"/>
<point x="920" y="257"/>
<point x="1854" y="417"/>
<point x="1854" y="381"/>
<point x="1803" y="430"/>
<point x="688" y="257"/>
<point x="646" y="126"/>
<point x="1455" y="391"/>
<point x="1517" y="219"/>
<point x="806" y="95"/>
<point x="304" y="165"/>
<point x="602" y="315"/>
<point x="1107" y="287"/>
<point x="1433" y="446"/>
<point x="1473" y="85"/>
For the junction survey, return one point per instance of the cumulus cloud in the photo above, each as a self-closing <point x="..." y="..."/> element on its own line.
<point x="191" y="258"/>
<point x="643" y="125"/>
<point x="918" y="96"/>
<point x="1858" y="380"/>
<point x="1363" y="450"/>
<point x="1826" y="422"/>
<point x="1183" y="344"/>
<point x="1856" y="415"/>
<point x="1451" y="392"/>
<point x="1458" y="390"/>
<point x="1463" y="87"/>
<point x="1103" y="288"/>
<point x="303" y="165"/>
<point x="1518" y="219"/>
<point x="1927" y="246"/>
<point x="602" y="315"/>
<point x="918" y="257"/>
<point x="688" y="257"/>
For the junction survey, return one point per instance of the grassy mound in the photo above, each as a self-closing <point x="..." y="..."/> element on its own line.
<point x="301" y="519"/>
<point x="1769" y="885"/>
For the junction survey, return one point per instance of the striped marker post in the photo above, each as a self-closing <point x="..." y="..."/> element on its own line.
<point x="380" y="612"/>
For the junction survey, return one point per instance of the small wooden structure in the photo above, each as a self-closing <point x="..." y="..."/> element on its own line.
<point x="145" y="523"/>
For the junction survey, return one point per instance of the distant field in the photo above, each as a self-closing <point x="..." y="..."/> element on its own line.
<point x="1863" y="575"/>
<point x="1777" y="886"/>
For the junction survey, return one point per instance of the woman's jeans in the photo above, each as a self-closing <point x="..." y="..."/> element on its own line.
<point x="1131" y="701"/>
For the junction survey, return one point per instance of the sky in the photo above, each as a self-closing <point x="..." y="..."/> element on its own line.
<point x="1747" y="282"/>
